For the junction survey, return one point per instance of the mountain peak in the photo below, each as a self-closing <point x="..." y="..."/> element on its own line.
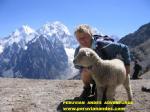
<point x="24" y="29"/>
<point x="138" y="37"/>
<point x="55" y="27"/>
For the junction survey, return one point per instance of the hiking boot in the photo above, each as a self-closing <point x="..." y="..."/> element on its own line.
<point x="145" y="89"/>
<point x="86" y="92"/>
<point x="93" y="89"/>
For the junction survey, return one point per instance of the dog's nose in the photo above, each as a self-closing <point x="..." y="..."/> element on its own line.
<point x="73" y="61"/>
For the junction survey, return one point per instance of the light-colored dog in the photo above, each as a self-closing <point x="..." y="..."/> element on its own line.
<point x="106" y="73"/>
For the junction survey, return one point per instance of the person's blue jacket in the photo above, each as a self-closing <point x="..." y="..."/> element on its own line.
<point x="109" y="50"/>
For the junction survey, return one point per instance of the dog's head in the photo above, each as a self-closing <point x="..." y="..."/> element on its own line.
<point x="85" y="57"/>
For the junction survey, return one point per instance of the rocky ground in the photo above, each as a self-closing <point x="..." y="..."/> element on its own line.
<point x="24" y="95"/>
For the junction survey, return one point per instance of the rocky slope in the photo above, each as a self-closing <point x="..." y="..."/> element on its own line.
<point x="138" y="37"/>
<point x="138" y="43"/>
<point x="23" y="95"/>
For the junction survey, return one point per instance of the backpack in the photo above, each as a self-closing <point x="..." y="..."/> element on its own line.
<point x="100" y="49"/>
<point x="106" y="38"/>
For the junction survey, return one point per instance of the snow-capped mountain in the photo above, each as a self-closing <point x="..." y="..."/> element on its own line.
<point x="116" y="38"/>
<point x="42" y="53"/>
<point x="60" y="31"/>
<point x="54" y="28"/>
<point x="20" y="36"/>
<point x="23" y="31"/>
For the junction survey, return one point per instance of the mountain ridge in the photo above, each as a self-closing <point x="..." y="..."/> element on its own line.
<point x="138" y="43"/>
<point x="25" y="43"/>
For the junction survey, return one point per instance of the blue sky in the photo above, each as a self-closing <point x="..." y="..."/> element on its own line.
<point x="112" y="17"/>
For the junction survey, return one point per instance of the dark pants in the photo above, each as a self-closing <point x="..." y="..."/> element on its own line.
<point x="135" y="75"/>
